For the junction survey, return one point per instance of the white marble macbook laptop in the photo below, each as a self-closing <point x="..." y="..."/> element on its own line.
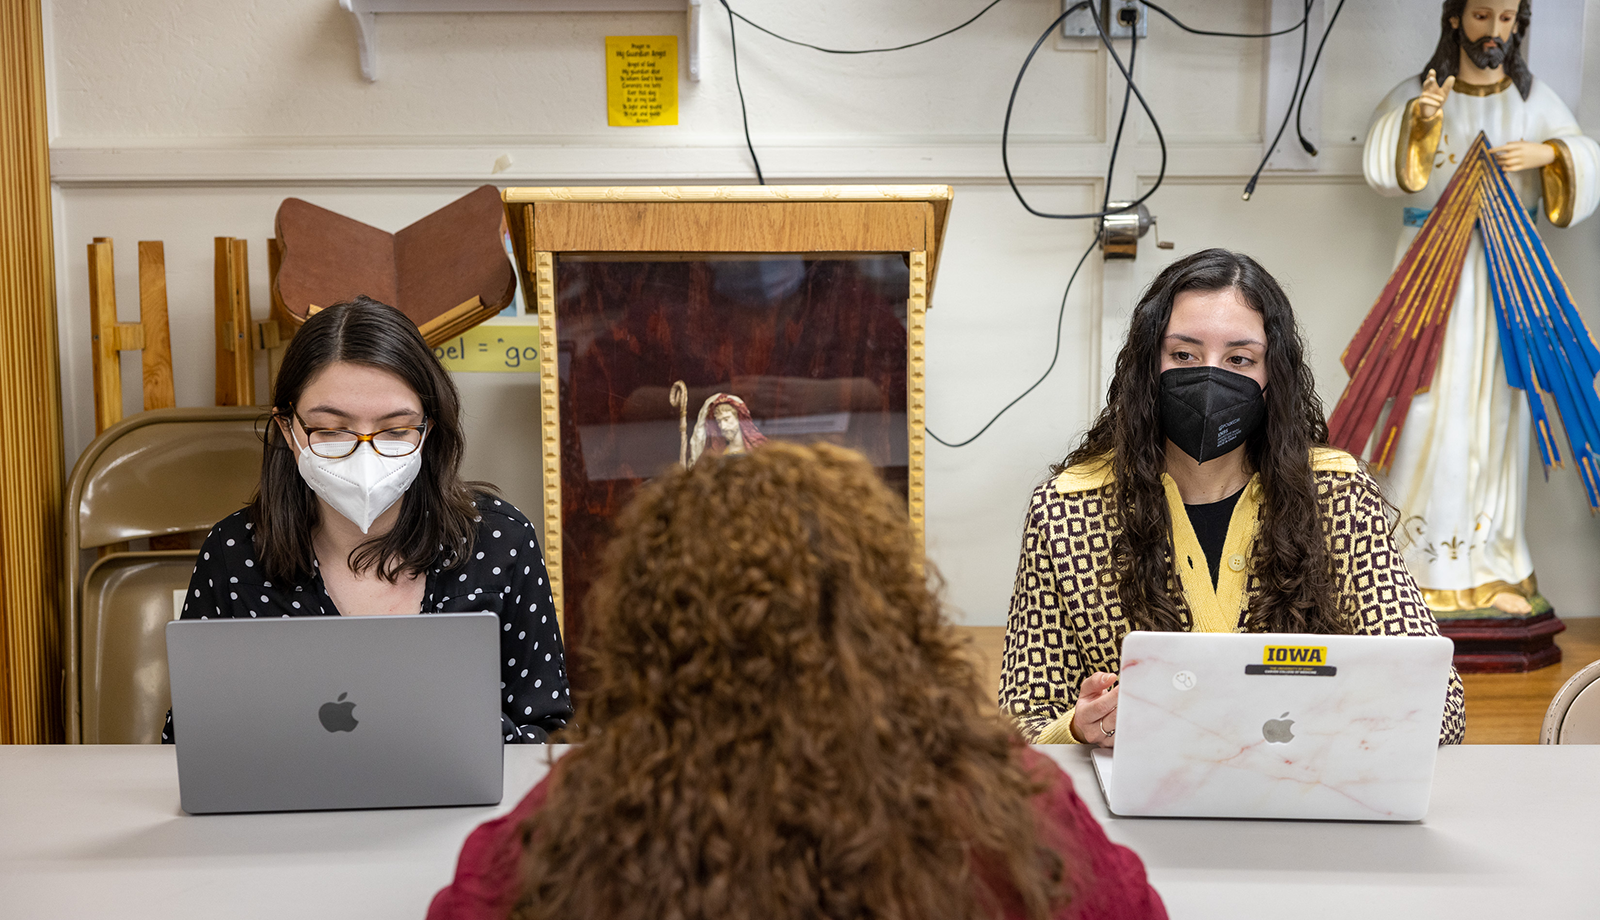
<point x="301" y="713"/>
<point x="1239" y="725"/>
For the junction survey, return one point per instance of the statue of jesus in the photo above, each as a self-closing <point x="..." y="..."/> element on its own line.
<point x="1460" y="465"/>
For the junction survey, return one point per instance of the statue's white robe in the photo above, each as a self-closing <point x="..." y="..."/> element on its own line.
<point x="1460" y="469"/>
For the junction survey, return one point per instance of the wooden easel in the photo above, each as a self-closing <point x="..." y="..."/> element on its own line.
<point x="238" y="336"/>
<point x="149" y="336"/>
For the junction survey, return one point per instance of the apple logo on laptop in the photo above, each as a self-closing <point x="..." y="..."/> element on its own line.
<point x="1276" y="731"/>
<point x="337" y="716"/>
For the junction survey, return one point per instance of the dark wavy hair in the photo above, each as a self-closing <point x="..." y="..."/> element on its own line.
<point x="437" y="511"/>
<point x="780" y="723"/>
<point x="1290" y="559"/>
<point x="1446" y="60"/>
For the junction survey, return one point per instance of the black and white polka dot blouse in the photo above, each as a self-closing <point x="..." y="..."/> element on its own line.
<point x="505" y="575"/>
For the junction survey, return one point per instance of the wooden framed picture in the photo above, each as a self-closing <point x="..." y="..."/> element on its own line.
<point x="677" y="322"/>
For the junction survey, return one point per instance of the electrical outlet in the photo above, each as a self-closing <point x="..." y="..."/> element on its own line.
<point x="1120" y="18"/>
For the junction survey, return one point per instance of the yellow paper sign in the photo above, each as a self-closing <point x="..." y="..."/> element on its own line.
<point x="641" y="80"/>
<point x="492" y="348"/>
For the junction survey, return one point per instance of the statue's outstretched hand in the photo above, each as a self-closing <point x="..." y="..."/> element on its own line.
<point x="1523" y="155"/>
<point x="1433" y="94"/>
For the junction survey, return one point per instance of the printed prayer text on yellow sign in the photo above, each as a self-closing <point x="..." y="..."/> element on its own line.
<point x="641" y="80"/>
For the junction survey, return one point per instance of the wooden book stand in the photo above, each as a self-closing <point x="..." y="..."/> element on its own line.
<point x="448" y="271"/>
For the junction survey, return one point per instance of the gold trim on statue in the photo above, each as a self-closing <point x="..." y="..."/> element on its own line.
<point x="1419" y="141"/>
<point x="1444" y="600"/>
<point x="1555" y="181"/>
<point x="1482" y="89"/>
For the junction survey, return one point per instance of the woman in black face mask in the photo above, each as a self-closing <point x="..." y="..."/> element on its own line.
<point x="1204" y="498"/>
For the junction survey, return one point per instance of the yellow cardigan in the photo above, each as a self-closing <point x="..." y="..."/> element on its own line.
<point x="1066" y="619"/>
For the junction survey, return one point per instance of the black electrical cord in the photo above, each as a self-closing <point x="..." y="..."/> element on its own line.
<point x="784" y="38"/>
<point x="1315" y="60"/>
<point x="733" y="44"/>
<point x="1299" y="74"/>
<point x="1179" y="24"/>
<point x="744" y="116"/>
<point x="1054" y="356"/>
<point x="1130" y="90"/>
<point x="1127" y="97"/>
<point x="1111" y="167"/>
<point x="1005" y="130"/>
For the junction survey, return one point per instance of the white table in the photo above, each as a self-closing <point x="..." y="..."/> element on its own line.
<point x="95" y="831"/>
<point x="1513" y="831"/>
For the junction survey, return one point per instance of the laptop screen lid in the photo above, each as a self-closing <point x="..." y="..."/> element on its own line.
<point x="1246" y="725"/>
<point x="290" y="714"/>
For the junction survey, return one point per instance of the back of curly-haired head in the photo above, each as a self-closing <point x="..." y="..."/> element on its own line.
<point x="780" y="723"/>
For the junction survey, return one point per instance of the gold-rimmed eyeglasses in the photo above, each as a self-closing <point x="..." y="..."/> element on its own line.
<point x="338" y="443"/>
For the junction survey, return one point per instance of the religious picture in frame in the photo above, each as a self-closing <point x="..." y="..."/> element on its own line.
<point x="709" y="328"/>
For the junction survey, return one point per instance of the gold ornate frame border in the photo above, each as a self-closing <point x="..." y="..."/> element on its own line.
<point x="544" y="273"/>
<point x="916" y="394"/>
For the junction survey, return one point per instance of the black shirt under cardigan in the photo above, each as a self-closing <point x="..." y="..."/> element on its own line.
<point x="1210" y="522"/>
<point x="505" y="575"/>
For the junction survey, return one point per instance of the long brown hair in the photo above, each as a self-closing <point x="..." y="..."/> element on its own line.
<point x="436" y="522"/>
<point x="1290" y="559"/>
<point x="780" y="723"/>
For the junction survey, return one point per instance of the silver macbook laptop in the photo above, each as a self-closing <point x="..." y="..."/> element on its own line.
<point x="293" y="714"/>
<point x="1232" y="725"/>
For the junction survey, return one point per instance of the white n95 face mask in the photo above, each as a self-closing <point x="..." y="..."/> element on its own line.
<point x="362" y="485"/>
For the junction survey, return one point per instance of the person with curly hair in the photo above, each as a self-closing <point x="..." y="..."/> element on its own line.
<point x="1204" y="498"/>
<point x="780" y="723"/>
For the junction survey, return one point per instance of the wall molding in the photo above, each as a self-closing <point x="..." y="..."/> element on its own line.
<point x="76" y="163"/>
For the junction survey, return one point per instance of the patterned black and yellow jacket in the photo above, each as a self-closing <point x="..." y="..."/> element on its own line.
<point x="1067" y="622"/>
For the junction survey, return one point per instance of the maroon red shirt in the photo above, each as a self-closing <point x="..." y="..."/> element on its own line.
<point x="1112" y="882"/>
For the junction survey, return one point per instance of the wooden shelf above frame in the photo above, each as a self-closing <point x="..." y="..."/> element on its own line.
<point x="936" y="195"/>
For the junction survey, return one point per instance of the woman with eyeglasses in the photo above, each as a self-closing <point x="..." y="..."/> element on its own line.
<point x="361" y="511"/>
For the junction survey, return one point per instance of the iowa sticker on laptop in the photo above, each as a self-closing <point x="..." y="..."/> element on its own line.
<point x="1293" y="661"/>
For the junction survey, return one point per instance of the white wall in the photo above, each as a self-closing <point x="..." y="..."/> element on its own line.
<point x="182" y="120"/>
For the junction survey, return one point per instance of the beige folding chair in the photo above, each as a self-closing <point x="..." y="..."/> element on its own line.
<point x="162" y="472"/>
<point x="1574" y="714"/>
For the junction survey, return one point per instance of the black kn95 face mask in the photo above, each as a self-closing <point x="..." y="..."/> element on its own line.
<point x="1208" y="411"/>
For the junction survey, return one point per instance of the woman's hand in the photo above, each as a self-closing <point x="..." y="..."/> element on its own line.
<point x="1433" y="94"/>
<point x="1095" y="720"/>
<point x="1519" y="155"/>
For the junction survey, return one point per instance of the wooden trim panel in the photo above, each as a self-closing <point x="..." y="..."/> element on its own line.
<point x="776" y="226"/>
<point x="30" y="396"/>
